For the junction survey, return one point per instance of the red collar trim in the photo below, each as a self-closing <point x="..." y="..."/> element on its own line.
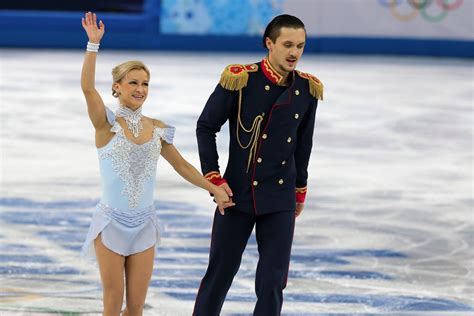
<point x="270" y="72"/>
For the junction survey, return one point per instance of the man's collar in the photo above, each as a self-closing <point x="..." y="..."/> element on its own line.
<point x="273" y="75"/>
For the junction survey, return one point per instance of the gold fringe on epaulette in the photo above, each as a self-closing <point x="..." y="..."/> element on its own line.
<point x="234" y="81"/>
<point x="316" y="89"/>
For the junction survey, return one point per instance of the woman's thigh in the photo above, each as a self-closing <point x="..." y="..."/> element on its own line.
<point x="111" y="267"/>
<point x="138" y="272"/>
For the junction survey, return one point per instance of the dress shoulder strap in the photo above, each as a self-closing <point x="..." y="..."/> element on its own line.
<point x="110" y="116"/>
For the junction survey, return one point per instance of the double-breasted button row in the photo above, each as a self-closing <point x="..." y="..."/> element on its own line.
<point x="255" y="183"/>
<point x="267" y="88"/>
<point x="288" y="140"/>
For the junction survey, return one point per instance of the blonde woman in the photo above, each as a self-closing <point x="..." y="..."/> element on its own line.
<point x="124" y="231"/>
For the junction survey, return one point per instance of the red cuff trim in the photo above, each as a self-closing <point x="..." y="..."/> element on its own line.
<point x="215" y="178"/>
<point x="301" y="194"/>
<point x="219" y="181"/>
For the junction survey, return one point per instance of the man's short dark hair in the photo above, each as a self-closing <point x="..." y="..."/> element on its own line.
<point x="274" y="27"/>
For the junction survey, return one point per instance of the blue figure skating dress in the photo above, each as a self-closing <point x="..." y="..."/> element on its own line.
<point x="125" y="216"/>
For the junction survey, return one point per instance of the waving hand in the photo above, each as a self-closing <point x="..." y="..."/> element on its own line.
<point x="89" y="23"/>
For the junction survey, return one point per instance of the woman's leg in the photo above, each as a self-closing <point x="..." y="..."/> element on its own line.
<point x="138" y="272"/>
<point x="111" y="266"/>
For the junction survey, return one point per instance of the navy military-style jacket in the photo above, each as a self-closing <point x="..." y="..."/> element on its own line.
<point x="271" y="135"/>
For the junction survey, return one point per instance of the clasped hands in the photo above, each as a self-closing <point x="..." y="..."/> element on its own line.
<point x="223" y="197"/>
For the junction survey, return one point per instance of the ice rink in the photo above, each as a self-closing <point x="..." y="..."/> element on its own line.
<point x="388" y="223"/>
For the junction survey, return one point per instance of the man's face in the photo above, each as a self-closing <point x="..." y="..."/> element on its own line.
<point x="287" y="49"/>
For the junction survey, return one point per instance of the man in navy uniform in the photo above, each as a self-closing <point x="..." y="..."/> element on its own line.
<point x="271" y="110"/>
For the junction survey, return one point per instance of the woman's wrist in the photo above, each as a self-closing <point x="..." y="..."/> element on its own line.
<point x="93" y="47"/>
<point x="213" y="189"/>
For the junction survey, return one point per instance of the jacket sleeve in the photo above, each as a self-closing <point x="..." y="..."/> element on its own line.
<point x="303" y="150"/>
<point x="216" y="112"/>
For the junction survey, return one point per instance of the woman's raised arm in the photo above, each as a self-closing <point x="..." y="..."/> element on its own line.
<point x="95" y="105"/>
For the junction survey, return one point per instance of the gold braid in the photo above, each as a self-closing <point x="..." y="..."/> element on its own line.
<point x="255" y="130"/>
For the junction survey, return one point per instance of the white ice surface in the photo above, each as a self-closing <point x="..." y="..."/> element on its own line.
<point x="390" y="186"/>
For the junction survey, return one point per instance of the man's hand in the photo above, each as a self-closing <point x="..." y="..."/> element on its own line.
<point x="227" y="189"/>
<point x="222" y="197"/>
<point x="299" y="209"/>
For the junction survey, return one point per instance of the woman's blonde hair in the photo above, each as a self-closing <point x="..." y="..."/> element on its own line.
<point x="119" y="71"/>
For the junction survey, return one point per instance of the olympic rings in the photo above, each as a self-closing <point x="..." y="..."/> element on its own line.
<point x="433" y="18"/>
<point x="399" y="16"/>
<point x="389" y="3"/>
<point x="449" y="7"/>
<point x="421" y="6"/>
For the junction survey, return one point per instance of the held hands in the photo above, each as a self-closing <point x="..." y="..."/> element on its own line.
<point x="89" y="23"/>
<point x="299" y="209"/>
<point x="223" y="197"/>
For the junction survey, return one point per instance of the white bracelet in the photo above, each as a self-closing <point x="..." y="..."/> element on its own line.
<point x="92" y="47"/>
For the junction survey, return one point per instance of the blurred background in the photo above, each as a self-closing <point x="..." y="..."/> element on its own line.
<point x="388" y="226"/>
<point x="393" y="27"/>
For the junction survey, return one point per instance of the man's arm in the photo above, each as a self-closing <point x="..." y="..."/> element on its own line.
<point x="303" y="153"/>
<point x="216" y="112"/>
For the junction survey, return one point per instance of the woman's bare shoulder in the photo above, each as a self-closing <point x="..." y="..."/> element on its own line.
<point x="158" y="123"/>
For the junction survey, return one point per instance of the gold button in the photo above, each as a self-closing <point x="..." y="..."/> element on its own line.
<point x="255" y="183"/>
<point x="264" y="136"/>
<point x="283" y="162"/>
<point x="280" y="181"/>
<point x="297" y="92"/>
<point x="297" y="116"/>
<point x="267" y="87"/>
<point x="259" y="160"/>
<point x="289" y="140"/>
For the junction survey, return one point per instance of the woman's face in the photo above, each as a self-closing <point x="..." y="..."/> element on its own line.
<point x="133" y="88"/>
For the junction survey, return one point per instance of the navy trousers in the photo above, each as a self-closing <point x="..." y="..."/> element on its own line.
<point x="230" y="233"/>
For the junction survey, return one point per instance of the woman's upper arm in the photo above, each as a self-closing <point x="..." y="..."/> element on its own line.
<point x="96" y="109"/>
<point x="171" y="154"/>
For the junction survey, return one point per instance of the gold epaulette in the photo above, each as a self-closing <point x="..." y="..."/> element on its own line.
<point x="235" y="77"/>
<point x="316" y="87"/>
